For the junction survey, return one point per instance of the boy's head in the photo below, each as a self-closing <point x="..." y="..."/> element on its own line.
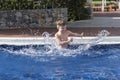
<point x="61" y="24"/>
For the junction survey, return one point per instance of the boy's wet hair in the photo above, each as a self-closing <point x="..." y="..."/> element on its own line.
<point x="61" y="22"/>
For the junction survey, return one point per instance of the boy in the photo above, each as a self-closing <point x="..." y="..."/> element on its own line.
<point x="62" y="35"/>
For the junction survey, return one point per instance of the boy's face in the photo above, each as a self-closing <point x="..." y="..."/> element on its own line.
<point x="62" y="27"/>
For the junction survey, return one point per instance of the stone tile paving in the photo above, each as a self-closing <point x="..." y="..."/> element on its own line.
<point x="97" y="22"/>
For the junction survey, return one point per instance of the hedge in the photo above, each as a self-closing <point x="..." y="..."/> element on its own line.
<point x="76" y="8"/>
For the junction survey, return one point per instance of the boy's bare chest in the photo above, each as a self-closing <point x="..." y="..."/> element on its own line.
<point x="64" y="36"/>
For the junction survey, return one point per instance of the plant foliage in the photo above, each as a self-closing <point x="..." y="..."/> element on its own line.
<point x="76" y="8"/>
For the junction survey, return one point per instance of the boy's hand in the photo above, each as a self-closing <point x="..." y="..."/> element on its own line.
<point x="70" y="39"/>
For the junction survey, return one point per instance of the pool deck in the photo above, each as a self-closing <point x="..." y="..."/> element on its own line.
<point x="88" y="31"/>
<point x="90" y="28"/>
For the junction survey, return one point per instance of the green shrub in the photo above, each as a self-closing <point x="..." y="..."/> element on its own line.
<point x="76" y="8"/>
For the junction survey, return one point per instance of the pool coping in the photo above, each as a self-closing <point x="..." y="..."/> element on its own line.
<point x="51" y="40"/>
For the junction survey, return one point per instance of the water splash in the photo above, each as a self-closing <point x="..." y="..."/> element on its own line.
<point x="46" y="36"/>
<point x="47" y="39"/>
<point x="101" y="35"/>
<point x="50" y="49"/>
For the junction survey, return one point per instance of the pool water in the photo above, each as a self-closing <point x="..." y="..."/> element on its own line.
<point x="40" y="62"/>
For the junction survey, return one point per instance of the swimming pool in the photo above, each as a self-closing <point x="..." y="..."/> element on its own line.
<point x="34" y="58"/>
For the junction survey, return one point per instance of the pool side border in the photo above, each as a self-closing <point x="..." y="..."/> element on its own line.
<point x="51" y="40"/>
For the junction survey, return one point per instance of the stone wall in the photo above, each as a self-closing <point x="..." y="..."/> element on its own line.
<point x="31" y="18"/>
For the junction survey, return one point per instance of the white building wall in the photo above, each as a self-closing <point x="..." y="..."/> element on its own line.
<point x="119" y="4"/>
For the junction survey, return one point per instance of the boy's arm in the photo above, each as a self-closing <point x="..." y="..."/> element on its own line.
<point x="62" y="42"/>
<point x="76" y="34"/>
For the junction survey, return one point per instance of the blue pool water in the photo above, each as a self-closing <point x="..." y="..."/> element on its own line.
<point x="40" y="62"/>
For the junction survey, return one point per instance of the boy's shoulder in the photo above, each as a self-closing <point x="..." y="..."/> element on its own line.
<point x="56" y="33"/>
